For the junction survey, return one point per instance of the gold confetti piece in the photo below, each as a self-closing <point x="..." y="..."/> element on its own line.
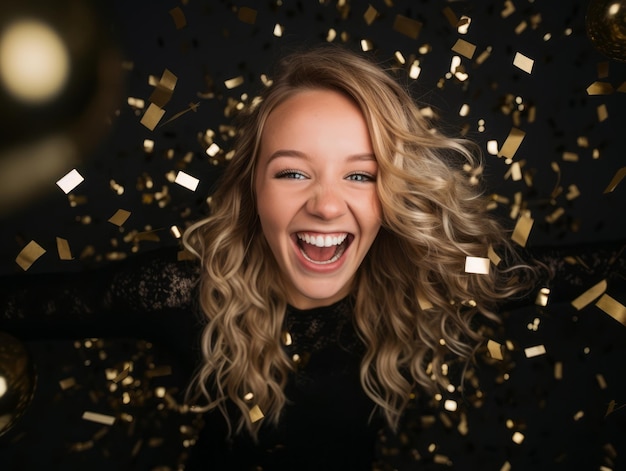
<point x="366" y="45"/>
<point x="603" y="113"/>
<point x="542" y="297"/>
<point x="70" y="181"/>
<point x="535" y="351"/>
<point x="506" y="466"/>
<point x="247" y="15"/>
<point x="186" y="180"/>
<point x="441" y="459"/>
<point x="478" y="265"/>
<point x="286" y="338"/>
<point x="613" y="308"/>
<point x="572" y="192"/>
<point x="558" y="370"/>
<point x="67" y="383"/>
<point x="493" y="256"/>
<point x="518" y="437"/>
<point x="521" y="27"/>
<point x="450" y="16"/>
<point x="450" y="405"/>
<point x="601" y="381"/>
<point x="120" y="217"/>
<point x="464" y="48"/>
<point x="256" y="414"/>
<point x="512" y="143"/>
<point x="622" y="88"/>
<point x="159" y="372"/>
<point x="164" y="89"/>
<point x="99" y="418"/>
<point x="579" y="415"/>
<point x="179" y="17"/>
<point x="509" y="9"/>
<point x="522" y="230"/>
<point x="248" y="397"/>
<point x="278" y="30"/>
<point x="370" y="15"/>
<point x="570" y="156"/>
<point x="556" y="214"/>
<point x="603" y="69"/>
<point x="617" y="178"/>
<point x="407" y="26"/>
<point x="522" y="62"/>
<point x="590" y="295"/>
<point x="63" y="248"/>
<point x="600" y="88"/>
<point x="495" y="350"/>
<point x="152" y="116"/>
<point x="515" y="172"/>
<point x="233" y="82"/>
<point x="29" y="255"/>
<point x="423" y="302"/>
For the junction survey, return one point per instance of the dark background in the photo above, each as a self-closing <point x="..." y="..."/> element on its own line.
<point x="127" y="42"/>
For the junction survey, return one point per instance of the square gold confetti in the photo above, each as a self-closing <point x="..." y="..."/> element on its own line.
<point x="256" y="414"/>
<point x="370" y="15"/>
<point x="29" y="255"/>
<point x="522" y="230"/>
<point x="70" y="181"/>
<point x="477" y="265"/>
<point x="187" y="181"/>
<point x="120" y="217"/>
<point x="464" y="48"/>
<point x="522" y="62"/>
<point x="247" y="15"/>
<point x="152" y="116"/>
<point x="495" y="350"/>
<point x="407" y="26"/>
<point x="63" y="248"/>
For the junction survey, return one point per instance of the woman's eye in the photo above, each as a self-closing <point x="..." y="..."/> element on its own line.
<point x="292" y="174"/>
<point x="361" y="177"/>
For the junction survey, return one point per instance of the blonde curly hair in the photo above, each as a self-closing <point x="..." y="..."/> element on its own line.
<point x="414" y="301"/>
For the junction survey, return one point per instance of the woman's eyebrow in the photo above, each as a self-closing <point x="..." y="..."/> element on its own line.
<point x="296" y="153"/>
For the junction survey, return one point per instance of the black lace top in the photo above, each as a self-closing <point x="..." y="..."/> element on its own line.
<point x="328" y="423"/>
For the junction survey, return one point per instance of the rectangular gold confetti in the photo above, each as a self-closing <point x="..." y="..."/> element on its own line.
<point x="617" y="178"/>
<point x="600" y="88"/>
<point x="450" y="16"/>
<point x="570" y="156"/>
<point x="164" y="89"/>
<point x="233" y="82"/>
<point x="70" y="181"/>
<point x="535" y="351"/>
<point x="542" y="297"/>
<point x="601" y="381"/>
<point x="256" y="414"/>
<point x="558" y="370"/>
<point x="522" y="230"/>
<point x="407" y="26"/>
<point x="29" y="255"/>
<point x="479" y="265"/>
<point x="423" y="302"/>
<point x="370" y="15"/>
<point x="187" y="181"/>
<point x="63" y="248"/>
<point x="179" y="17"/>
<point x="247" y="15"/>
<point x="495" y="350"/>
<point x="522" y="62"/>
<point x="120" y="217"/>
<point x="67" y="383"/>
<point x="152" y="116"/>
<point x="603" y="113"/>
<point x="509" y="9"/>
<point x="493" y="256"/>
<point x="590" y="295"/>
<point x="464" y="48"/>
<point x="99" y="418"/>
<point x="613" y="308"/>
<point x="512" y="143"/>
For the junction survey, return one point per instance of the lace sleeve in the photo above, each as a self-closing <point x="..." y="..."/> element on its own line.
<point x="130" y="297"/>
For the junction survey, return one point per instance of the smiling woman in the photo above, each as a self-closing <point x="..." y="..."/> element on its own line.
<point x="333" y="283"/>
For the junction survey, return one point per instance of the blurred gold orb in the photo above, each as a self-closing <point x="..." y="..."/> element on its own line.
<point x="606" y="27"/>
<point x="17" y="381"/>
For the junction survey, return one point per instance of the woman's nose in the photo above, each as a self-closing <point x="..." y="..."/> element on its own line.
<point x="326" y="202"/>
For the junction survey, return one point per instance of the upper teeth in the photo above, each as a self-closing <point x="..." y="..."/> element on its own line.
<point x="322" y="241"/>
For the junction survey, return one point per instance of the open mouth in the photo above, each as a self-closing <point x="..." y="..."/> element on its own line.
<point x="323" y="249"/>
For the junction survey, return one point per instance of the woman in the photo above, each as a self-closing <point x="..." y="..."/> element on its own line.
<point x="333" y="279"/>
